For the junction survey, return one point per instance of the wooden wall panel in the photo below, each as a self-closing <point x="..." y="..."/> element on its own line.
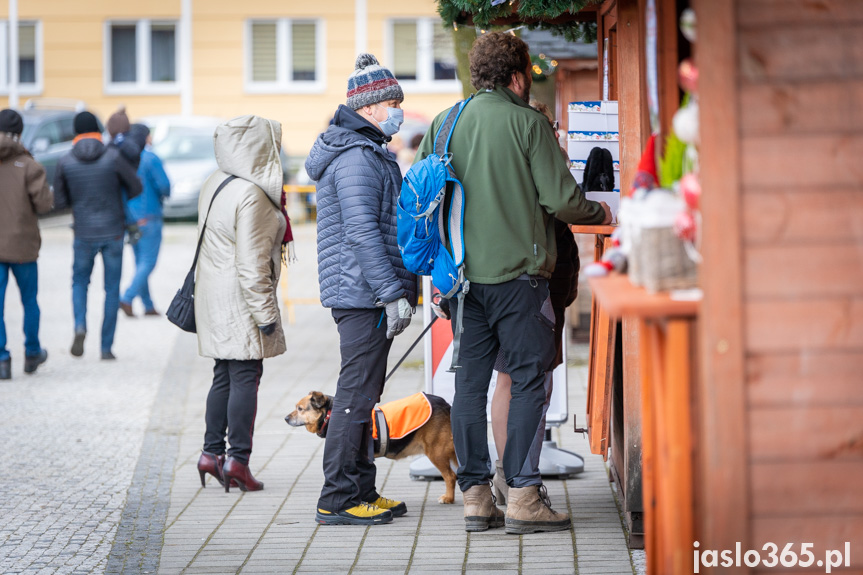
<point x="802" y="215"/>
<point x="804" y="270"/>
<point x="799" y="379"/>
<point x="807" y="435"/>
<point x="805" y="324"/>
<point x="810" y="53"/>
<point x="631" y="87"/>
<point x="783" y="108"/>
<point x="761" y="14"/>
<point x="814" y="161"/>
<point x="800" y="73"/>
<point x="800" y="488"/>
<point x="823" y="531"/>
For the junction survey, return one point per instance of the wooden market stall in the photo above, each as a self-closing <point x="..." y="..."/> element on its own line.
<point x="748" y="405"/>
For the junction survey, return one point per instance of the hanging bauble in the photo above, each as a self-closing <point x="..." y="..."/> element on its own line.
<point x="687" y="76"/>
<point x="690" y="187"/>
<point x="687" y="24"/>
<point x="685" y="123"/>
<point x="684" y="226"/>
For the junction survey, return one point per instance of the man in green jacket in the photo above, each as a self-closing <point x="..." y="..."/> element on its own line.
<point x="516" y="183"/>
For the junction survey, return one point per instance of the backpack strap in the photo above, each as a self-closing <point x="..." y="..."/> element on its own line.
<point x="441" y="146"/>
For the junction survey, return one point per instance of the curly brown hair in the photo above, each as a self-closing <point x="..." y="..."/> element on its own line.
<point x="495" y="57"/>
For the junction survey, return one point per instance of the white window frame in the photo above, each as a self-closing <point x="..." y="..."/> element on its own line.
<point x="284" y="84"/>
<point x="143" y="86"/>
<point x="425" y="82"/>
<point x="23" y="89"/>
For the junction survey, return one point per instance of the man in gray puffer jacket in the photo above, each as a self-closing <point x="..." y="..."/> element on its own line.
<point x="363" y="280"/>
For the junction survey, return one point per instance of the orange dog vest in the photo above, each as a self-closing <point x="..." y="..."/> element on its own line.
<point x="404" y="416"/>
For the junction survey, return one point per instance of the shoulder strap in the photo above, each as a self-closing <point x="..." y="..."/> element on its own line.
<point x="441" y="145"/>
<point x="227" y="181"/>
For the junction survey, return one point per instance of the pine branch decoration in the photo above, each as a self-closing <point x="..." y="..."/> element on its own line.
<point x="483" y="14"/>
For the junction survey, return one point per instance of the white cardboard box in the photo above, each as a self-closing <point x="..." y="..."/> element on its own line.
<point x="610" y="198"/>
<point x="593" y="116"/>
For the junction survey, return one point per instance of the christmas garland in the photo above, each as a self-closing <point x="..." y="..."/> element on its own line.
<point x="535" y="14"/>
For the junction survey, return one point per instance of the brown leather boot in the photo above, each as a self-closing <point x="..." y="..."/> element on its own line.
<point x="529" y="511"/>
<point x="499" y="483"/>
<point x="480" y="512"/>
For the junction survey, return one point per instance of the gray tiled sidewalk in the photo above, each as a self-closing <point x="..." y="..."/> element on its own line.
<point x="110" y="452"/>
<point x="209" y="531"/>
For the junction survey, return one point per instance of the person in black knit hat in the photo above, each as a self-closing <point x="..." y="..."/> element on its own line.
<point x="24" y="194"/>
<point x="90" y="179"/>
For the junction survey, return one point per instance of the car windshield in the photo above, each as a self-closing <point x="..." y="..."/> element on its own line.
<point x="27" y="134"/>
<point x="185" y="144"/>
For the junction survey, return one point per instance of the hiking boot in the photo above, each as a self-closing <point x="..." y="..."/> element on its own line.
<point x="78" y="342"/>
<point x="108" y="354"/>
<point x="499" y="483"/>
<point x="397" y="508"/>
<point x="31" y="362"/>
<point x="480" y="512"/>
<point x="362" y="514"/>
<point x="529" y="511"/>
<point x="6" y="368"/>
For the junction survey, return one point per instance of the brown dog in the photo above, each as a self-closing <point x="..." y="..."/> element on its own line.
<point x="433" y="438"/>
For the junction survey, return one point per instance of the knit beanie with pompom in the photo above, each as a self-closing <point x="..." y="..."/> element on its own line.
<point x="371" y="83"/>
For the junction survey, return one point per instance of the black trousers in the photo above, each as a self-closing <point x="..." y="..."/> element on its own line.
<point x="349" y="468"/>
<point x="231" y="407"/>
<point x="503" y="317"/>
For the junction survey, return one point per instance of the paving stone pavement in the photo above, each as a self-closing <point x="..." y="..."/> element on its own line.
<point x="102" y="476"/>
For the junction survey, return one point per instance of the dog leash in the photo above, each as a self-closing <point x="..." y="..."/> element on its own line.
<point x="410" y="349"/>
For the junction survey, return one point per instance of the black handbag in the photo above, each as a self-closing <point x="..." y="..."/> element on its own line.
<point x="181" y="312"/>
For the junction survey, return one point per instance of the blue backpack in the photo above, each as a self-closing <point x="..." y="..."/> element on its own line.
<point x="431" y="239"/>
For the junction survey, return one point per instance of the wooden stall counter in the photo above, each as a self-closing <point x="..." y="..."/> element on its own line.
<point x="667" y="366"/>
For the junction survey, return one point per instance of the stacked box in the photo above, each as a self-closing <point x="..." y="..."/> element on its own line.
<point x="593" y="124"/>
<point x="593" y="116"/>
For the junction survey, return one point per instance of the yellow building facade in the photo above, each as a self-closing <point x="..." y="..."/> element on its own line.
<point x="282" y="59"/>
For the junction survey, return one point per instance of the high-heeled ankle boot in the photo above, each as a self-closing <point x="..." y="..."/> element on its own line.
<point x="212" y="464"/>
<point x="239" y="472"/>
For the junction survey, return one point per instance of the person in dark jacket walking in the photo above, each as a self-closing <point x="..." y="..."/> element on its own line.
<point x="507" y="158"/>
<point x="90" y="179"/>
<point x="362" y="280"/>
<point x="145" y="212"/>
<point x="24" y="193"/>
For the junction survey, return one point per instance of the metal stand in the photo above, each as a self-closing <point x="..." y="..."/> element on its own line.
<point x="553" y="462"/>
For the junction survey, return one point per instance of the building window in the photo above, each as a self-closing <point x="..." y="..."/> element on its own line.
<point x="141" y="57"/>
<point x="284" y="55"/>
<point x="422" y="55"/>
<point x="29" y="57"/>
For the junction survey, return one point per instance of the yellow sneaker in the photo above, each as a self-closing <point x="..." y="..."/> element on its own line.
<point x="362" y="514"/>
<point x="398" y="508"/>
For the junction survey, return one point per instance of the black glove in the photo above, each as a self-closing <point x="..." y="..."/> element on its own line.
<point x="441" y="307"/>
<point x="268" y="329"/>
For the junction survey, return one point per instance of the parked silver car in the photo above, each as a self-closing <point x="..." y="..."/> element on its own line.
<point x="185" y="146"/>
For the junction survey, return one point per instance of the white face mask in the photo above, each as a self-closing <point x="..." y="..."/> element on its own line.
<point x="395" y="117"/>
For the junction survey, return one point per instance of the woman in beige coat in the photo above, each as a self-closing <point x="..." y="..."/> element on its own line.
<point x="236" y="307"/>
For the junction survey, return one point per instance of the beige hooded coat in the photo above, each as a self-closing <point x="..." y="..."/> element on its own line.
<point x="240" y="261"/>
